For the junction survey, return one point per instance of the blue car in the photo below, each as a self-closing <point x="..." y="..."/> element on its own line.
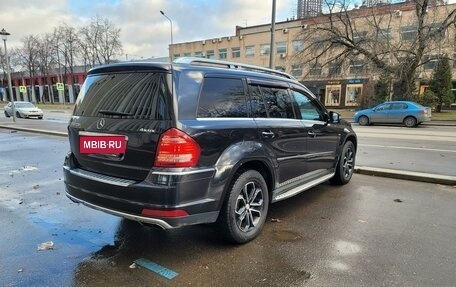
<point x="408" y="113"/>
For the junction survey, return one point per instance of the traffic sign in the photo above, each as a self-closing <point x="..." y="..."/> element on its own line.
<point x="23" y="89"/>
<point x="60" y="86"/>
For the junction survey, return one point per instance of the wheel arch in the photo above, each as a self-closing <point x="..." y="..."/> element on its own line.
<point x="260" y="165"/>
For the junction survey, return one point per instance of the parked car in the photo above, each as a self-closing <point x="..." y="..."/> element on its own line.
<point x="200" y="141"/>
<point x="23" y="110"/>
<point x="408" y="113"/>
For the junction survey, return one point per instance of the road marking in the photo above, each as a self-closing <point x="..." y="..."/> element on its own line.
<point x="404" y="147"/>
<point x="154" y="267"/>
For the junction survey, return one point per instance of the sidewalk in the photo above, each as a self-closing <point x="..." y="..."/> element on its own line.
<point x="59" y="129"/>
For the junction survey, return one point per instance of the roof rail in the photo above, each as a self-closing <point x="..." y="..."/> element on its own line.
<point x="230" y="65"/>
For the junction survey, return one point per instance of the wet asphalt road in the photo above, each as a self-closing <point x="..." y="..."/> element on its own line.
<point x="371" y="232"/>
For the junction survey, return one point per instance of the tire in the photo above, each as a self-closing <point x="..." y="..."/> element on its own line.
<point x="410" y="122"/>
<point x="245" y="209"/>
<point x="346" y="165"/>
<point x="6" y="114"/>
<point x="363" y="121"/>
<point x="18" y="115"/>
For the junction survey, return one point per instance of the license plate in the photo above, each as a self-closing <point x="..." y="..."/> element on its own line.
<point x="111" y="144"/>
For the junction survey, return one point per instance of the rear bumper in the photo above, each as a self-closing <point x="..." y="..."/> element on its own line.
<point x="187" y="191"/>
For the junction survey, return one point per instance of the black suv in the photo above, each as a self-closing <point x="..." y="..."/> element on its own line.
<point x="200" y="141"/>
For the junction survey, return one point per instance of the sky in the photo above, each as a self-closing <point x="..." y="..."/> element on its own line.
<point x="145" y="33"/>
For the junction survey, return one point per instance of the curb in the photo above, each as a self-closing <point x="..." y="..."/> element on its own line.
<point x="407" y="175"/>
<point x="366" y="170"/>
<point x="53" y="133"/>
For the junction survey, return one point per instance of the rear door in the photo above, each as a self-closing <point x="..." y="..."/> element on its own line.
<point x="130" y="108"/>
<point x="278" y="127"/>
<point x="397" y="112"/>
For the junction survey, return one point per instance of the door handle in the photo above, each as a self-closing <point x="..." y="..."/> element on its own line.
<point x="268" y="134"/>
<point x="312" y="134"/>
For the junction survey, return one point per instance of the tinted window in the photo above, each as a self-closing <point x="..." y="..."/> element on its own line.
<point x="306" y="107"/>
<point x="399" y="106"/>
<point x="132" y="95"/>
<point x="271" y="102"/>
<point x="222" y="98"/>
<point x="257" y="103"/>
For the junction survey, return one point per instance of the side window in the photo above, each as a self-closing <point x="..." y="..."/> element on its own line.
<point x="257" y="103"/>
<point x="222" y="97"/>
<point x="306" y="107"/>
<point x="277" y="102"/>
<point x="384" y="107"/>
<point x="399" y="106"/>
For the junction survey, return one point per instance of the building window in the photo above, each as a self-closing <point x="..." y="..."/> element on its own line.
<point x="332" y="95"/>
<point x="430" y="62"/>
<point x="281" y="47"/>
<point x="334" y="69"/>
<point x="298" y="46"/>
<point x="210" y="54"/>
<point x="315" y="70"/>
<point x="187" y="54"/>
<point x="250" y="51"/>
<point x="235" y="52"/>
<point x="296" y="70"/>
<point x="265" y="49"/>
<point x="222" y="53"/>
<point x="175" y="56"/>
<point x="408" y="33"/>
<point x="356" y="67"/>
<point x="384" y="34"/>
<point x="359" y="36"/>
<point x="317" y="46"/>
<point x="199" y="54"/>
<point x="436" y="30"/>
<point x="280" y="68"/>
<point x="353" y="94"/>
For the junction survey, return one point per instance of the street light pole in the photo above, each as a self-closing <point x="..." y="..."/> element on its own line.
<point x="271" y="47"/>
<point x="170" y="22"/>
<point x="4" y="37"/>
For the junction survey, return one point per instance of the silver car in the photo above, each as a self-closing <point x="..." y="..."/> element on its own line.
<point x="23" y="110"/>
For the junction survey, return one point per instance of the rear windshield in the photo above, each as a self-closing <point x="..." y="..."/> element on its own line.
<point x="125" y="95"/>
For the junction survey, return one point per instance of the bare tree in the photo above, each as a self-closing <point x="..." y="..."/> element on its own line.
<point x="28" y="60"/>
<point x="349" y="37"/>
<point x="100" y="42"/>
<point x="66" y="52"/>
<point x="46" y="62"/>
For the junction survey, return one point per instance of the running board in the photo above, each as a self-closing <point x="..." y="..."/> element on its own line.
<point x="301" y="188"/>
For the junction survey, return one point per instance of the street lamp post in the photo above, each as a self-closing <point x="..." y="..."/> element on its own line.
<point x="170" y="22"/>
<point x="4" y="37"/>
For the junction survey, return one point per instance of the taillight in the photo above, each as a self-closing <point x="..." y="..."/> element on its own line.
<point x="176" y="149"/>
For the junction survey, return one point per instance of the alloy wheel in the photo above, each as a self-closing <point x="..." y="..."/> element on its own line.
<point x="348" y="161"/>
<point x="249" y="206"/>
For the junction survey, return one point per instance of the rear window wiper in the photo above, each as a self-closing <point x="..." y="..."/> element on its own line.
<point x="113" y="113"/>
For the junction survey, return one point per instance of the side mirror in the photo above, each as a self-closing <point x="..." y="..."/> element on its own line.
<point x="334" y="117"/>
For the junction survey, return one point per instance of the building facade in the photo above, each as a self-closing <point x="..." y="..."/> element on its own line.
<point x="44" y="89"/>
<point x="337" y="85"/>
<point x="309" y="8"/>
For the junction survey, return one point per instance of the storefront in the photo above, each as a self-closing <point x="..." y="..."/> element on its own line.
<point x="338" y="93"/>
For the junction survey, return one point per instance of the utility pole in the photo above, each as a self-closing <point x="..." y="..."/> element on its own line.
<point x="5" y="35"/>
<point x="271" y="49"/>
